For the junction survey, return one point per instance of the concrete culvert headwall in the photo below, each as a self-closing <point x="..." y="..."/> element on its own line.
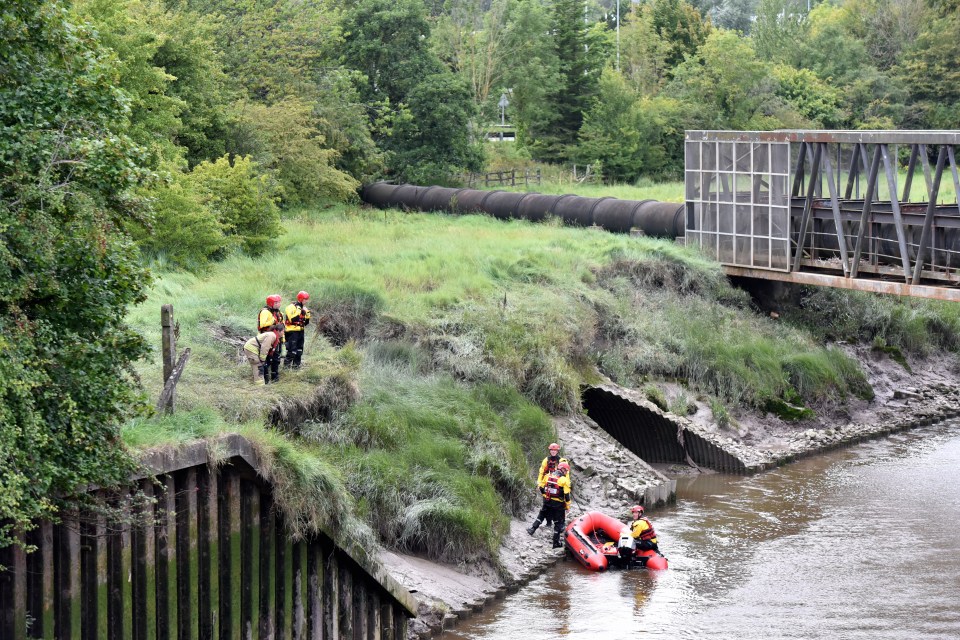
<point x="655" y="437"/>
<point x="658" y="219"/>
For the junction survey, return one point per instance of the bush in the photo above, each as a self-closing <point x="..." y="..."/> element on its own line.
<point x="183" y="230"/>
<point x="243" y="200"/>
<point x="284" y="139"/>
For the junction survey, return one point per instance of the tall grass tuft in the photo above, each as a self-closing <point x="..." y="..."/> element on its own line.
<point x="436" y="464"/>
<point x="308" y="487"/>
<point x="917" y="327"/>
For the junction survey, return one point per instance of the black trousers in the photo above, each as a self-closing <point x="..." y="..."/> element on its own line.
<point x="271" y="367"/>
<point x="294" y="348"/>
<point x="555" y="511"/>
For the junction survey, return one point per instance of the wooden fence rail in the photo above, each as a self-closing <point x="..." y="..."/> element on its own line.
<point x="509" y="178"/>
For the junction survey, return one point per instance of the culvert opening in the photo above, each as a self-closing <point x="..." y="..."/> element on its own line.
<point x="652" y="436"/>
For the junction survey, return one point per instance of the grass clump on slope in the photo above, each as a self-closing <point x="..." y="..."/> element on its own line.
<point x="437" y="466"/>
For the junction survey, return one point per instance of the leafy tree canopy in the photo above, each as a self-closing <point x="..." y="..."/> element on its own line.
<point x="419" y="109"/>
<point x="67" y="169"/>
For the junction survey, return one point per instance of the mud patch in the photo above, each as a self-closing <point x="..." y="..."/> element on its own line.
<point x="332" y="396"/>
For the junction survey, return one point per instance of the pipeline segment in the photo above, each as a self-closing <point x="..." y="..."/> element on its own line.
<point x="659" y="219"/>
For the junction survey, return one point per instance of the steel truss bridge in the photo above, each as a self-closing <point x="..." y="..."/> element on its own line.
<point x="832" y="208"/>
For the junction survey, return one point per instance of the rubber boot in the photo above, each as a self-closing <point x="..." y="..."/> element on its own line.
<point x="556" y="540"/>
<point x="532" y="528"/>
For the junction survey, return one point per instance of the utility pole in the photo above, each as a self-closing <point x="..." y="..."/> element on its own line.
<point x="618" y="35"/>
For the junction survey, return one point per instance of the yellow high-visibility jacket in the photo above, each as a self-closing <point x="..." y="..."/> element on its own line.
<point x="298" y="317"/>
<point x="562" y="487"/>
<point x="642" y="529"/>
<point x="268" y="318"/>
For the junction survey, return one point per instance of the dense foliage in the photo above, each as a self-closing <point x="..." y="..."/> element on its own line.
<point x="68" y="165"/>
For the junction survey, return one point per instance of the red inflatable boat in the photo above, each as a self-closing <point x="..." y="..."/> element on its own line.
<point x="598" y="541"/>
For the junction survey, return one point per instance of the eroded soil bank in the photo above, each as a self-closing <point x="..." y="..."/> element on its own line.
<point x="610" y="478"/>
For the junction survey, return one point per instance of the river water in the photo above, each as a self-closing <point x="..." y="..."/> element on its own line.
<point x="858" y="543"/>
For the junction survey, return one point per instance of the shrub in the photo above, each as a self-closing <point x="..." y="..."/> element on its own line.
<point x="243" y="200"/>
<point x="183" y="231"/>
<point x="285" y="140"/>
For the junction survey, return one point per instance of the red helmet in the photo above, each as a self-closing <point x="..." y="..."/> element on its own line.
<point x="554" y="445"/>
<point x="273" y="300"/>
<point x="563" y="466"/>
<point x="303" y="295"/>
<point x="637" y="509"/>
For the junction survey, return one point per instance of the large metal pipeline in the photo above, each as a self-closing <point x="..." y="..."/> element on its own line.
<point x="660" y="219"/>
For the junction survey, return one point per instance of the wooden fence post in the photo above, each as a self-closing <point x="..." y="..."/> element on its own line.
<point x="168" y="350"/>
<point x="172" y="368"/>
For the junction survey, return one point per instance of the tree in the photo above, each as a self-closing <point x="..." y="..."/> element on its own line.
<point x="133" y="30"/>
<point x="420" y="111"/>
<point x="436" y="144"/>
<point x="930" y="72"/>
<point x="780" y="25"/>
<point x="680" y="25"/>
<point x="580" y="52"/>
<point x="643" y="57"/>
<point x="831" y="49"/>
<point x="67" y="171"/>
<point x="630" y="134"/>
<point x="727" y="86"/>
<point x="819" y="104"/>
<point x="887" y="27"/>
<point x="284" y="139"/>
<point x="534" y="66"/>
<point x="736" y="15"/>
<point x="474" y="38"/>
<point x="188" y="53"/>
<point x="273" y="48"/>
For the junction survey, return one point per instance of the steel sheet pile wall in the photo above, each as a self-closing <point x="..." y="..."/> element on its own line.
<point x="660" y="219"/>
<point x="215" y="564"/>
<point x="653" y="436"/>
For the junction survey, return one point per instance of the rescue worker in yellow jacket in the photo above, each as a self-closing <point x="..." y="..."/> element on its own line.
<point x="557" y="495"/>
<point x="271" y="318"/>
<point x="550" y="462"/>
<point x="642" y="530"/>
<point x="298" y="317"/>
<point x="257" y="349"/>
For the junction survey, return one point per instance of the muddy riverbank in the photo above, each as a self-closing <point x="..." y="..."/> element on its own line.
<point x="610" y="478"/>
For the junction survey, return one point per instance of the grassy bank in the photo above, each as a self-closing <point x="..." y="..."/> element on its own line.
<point x="424" y="403"/>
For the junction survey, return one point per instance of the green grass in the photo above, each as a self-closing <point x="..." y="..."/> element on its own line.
<point x="423" y="409"/>
<point x="643" y="190"/>
<point x="913" y="326"/>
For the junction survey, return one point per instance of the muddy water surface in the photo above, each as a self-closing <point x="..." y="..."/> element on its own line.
<point x="860" y="543"/>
